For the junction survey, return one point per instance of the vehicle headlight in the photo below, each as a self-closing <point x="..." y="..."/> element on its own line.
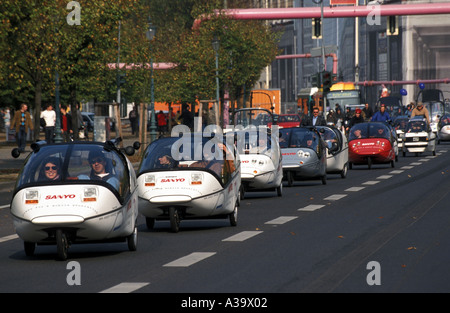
<point x="196" y="178"/>
<point x="90" y="194"/>
<point x="149" y="180"/>
<point x="261" y="162"/>
<point x="32" y="197"/>
<point x="303" y="154"/>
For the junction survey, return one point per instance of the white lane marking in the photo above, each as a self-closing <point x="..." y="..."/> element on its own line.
<point x="430" y="157"/>
<point x="281" y="220"/>
<point x="396" y="172"/>
<point x="4" y="206"/>
<point x="355" y="188"/>
<point x="243" y="236"/>
<point x="125" y="288"/>
<point x="190" y="259"/>
<point x="7" y="238"/>
<point x="416" y="163"/>
<point x="335" y="197"/>
<point x="424" y="160"/>
<point x="406" y="167"/>
<point x="311" y="207"/>
<point x="371" y="182"/>
<point x="384" y="177"/>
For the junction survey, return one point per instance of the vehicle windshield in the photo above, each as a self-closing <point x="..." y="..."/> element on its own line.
<point x="416" y="126"/>
<point x="255" y="117"/>
<point x="400" y="123"/>
<point x="445" y="120"/>
<point x="191" y="153"/>
<point x="73" y="163"/>
<point x="369" y="130"/>
<point x="299" y="138"/>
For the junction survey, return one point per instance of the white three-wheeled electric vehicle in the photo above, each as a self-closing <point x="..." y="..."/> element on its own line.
<point x="259" y="150"/>
<point x="75" y="193"/>
<point x="418" y="137"/>
<point x="190" y="177"/>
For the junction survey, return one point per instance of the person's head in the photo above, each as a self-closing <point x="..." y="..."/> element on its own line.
<point x="419" y="105"/>
<point x="164" y="160"/>
<point x="358" y="112"/>
<point x="52" y="168"/>
<point x="382" y="108"/>
<point x="316" y="112"/>
<point x="49" y="107"/>
<point x="63" y="108"/>
<point x="98" y="163"/>
<point x="23" y="107"/>
<point x="380" y="131"/>
<point x="367" y="105"/>
<point x="357" y="133"/>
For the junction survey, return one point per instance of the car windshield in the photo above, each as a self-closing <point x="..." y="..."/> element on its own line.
<point x="445" y="120"/>
<point x="255" y="117"/>
<point x="189" y="153"/>
<point x="369" y="130"/>
<point x="299" y="138"/>
<point x="73" y="163"/>
<point x="416" y="126"/>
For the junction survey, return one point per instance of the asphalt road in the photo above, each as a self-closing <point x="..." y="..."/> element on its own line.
<point x="384" y="230"/>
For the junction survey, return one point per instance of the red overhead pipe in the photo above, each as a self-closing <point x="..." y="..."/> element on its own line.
<point x="331" y="12"/>
<point x="404" y="82"/>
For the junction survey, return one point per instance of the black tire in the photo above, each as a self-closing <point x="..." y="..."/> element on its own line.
<point x="369" y="163"/>
<point x="62" y="245"/>
<point x="29" y="248"/>
<point x="344" y="171"/>
<point x="150" y="223"/>
<point x="290" y="178"/>
<point x="132" y="240"/>
<point x="280" y="190"/>
<point x="233" y="216"/>
<point x="174" y="219"/>
<point x="324" y="179"/>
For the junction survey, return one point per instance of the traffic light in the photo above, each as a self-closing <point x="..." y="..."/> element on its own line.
<point x="316" y="28"/>
<point x="326" y="81"/>
<point x="392" y="26"/>
<point x="120" y="79"/>
<point x="315" y="80"/>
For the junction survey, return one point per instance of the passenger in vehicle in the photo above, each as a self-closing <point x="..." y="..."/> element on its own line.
<point x="166" y="161"/>
<point x="99" y="170"/>
<point x="52" y="169"/>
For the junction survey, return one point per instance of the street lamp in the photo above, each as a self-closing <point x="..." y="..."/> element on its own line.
<point x="150" y="34"/>
<point x="216" y="45"/>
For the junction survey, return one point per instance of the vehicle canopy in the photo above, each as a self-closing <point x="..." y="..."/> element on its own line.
<point x="400" y="123"/>
<point x="75" y="163"/>
<point x="417" y="126"/>
<point x="370" y="130"/>
<point x="190" y="152"/>
<point x="301" y="137"/>
<point x="393" y="104"/>
<point x="444" y="120"/>
<point x="252" y="116"/>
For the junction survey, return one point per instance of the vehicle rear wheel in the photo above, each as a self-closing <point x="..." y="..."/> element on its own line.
<point x="174" y="219"/>
<point x="132" y="240"/>
<point x="150" y="222"/>
<point x="29" y="248"/>
<point x="324" y="179"/>
<point x="280" y="190"/>
<point x="344" y="171"/>
<point x="392" y="163"/>
<point x="233" y="216"/>
<point x="290" y="178"/>
<point x="62" y="245"/>
<point x="369" y="163"/>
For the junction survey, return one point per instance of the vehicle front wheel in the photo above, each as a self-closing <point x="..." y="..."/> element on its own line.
<point x="132" y="240"/>
<point x="344" y="171"/>
<point x="233" y="216"/>
<point x="174" y="219"/>
<point x="62" y="245"/>
<point x="280" y="190"/>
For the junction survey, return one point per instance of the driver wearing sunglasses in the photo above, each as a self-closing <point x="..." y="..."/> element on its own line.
<point x="52" y="169"/>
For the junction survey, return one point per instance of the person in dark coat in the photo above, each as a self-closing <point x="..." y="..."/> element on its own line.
<point x="315" y="120"/>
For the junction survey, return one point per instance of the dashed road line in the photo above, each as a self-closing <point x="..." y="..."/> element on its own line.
<point x="281" y="220"/>
<point x="7" y="238"/>
<point x="243" y="235"/>
<point x="396" y="172"/>
<point x="424" y="160"/>
<point x="371" y="182"/>
<point x="355" y="189"/>
<point x="4" y="206"/>
<point x="125" y="288"/>
<point x="189" y="259"/>
<point x="384" y="177"/>
<point x="416" y="163"/>
<point x="408" y="167"/>
<point x="335" y="197"/>
<point x="311" y="207"/>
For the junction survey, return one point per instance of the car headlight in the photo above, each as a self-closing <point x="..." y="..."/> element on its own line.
<point x="32" y="197"/>
<point x="196" y="178"/>
<point x="149" y="180"/>
<point x="303" y="154"/>
<point x="90" y="194"/>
